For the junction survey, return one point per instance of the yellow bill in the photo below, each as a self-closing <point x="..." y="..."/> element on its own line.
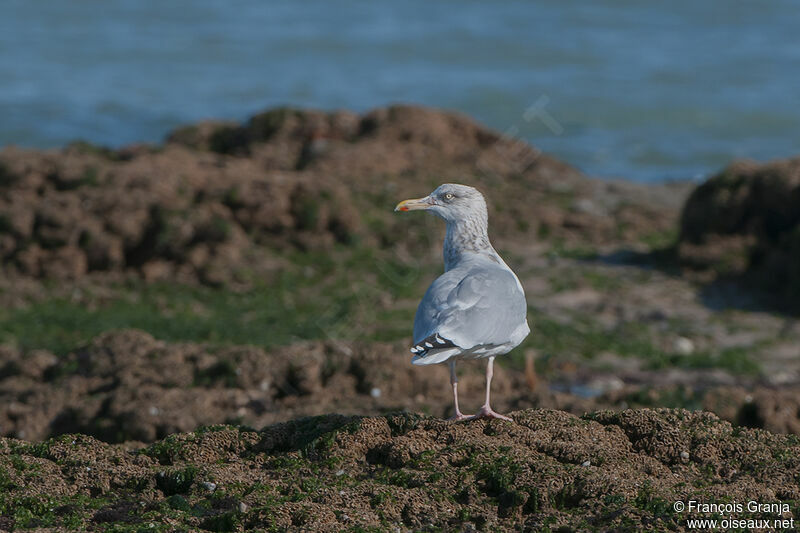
<point x="414" y="204"/>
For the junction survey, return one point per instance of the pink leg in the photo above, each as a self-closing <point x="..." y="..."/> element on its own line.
<point x="486" y="411"/>
<point x="454" y="382"/>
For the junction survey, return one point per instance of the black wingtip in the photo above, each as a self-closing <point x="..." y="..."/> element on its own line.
<point x="431" y="342"/>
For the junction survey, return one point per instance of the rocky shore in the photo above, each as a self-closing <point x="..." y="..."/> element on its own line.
<point x="546" y="471"/>
<point x="254" y="275"/>
<point x="218" y="199"/>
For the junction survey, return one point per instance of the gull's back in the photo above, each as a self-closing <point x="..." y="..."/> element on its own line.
<point x="476" y="309"/>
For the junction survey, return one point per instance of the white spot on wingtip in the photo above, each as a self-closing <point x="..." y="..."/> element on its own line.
<point x="429" y="345"/>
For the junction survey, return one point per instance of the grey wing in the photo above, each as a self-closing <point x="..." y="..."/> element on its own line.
<point x="483" y="307"/>
<point x="426" y="321"/>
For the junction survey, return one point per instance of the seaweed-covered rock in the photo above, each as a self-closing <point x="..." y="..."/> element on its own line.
<point x="127" y="385"/>
<point x="548" y="470"/>
<point x="746" y="219"/>
<point x="219" y="200"/>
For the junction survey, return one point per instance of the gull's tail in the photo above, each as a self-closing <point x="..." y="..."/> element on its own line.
<point x="433" y="358"/>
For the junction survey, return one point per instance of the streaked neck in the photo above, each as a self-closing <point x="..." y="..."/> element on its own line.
<point x="465" y="237"/>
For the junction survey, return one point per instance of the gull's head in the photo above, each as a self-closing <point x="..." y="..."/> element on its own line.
<point x="450" y="201"/>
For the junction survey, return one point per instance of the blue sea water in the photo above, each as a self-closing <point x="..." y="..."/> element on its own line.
<point x="642" y="90"/>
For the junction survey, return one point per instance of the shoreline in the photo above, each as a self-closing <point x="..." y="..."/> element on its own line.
<point x="695" y="178"/>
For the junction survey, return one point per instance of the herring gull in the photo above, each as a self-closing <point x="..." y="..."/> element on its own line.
<point x="475" y="309"/>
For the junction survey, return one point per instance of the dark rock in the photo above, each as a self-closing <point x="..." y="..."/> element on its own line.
<point x="746" y="220"/>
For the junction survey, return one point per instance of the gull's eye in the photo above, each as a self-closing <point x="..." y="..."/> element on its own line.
<point x="448" y="196"/>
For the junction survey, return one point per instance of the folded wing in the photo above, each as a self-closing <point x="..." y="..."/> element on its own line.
<point x="472" y="308"/>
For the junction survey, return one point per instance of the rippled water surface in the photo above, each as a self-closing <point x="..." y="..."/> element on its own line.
<point x="647" y="91"/>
